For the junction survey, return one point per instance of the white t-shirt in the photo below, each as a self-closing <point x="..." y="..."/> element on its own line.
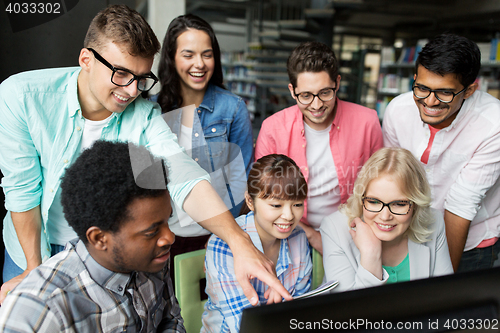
<point x="323" y="196"/>
<point x="463" y="168"/>
<point x="60" y="235"/>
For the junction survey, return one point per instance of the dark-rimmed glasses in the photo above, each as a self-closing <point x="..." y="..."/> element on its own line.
<point x="324" y="95"/>
<point x="122" y="77"/>
<point x="445" y="96"/>
<point x="396" y="207"/>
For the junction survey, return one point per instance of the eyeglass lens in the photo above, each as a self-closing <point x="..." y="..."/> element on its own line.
<point x="442" y="95"/>
<point x="398" y="207"/>
<point x="324" y="95"/>
<point x="123" y="78"/>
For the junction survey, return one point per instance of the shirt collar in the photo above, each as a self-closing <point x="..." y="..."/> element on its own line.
<point x="209" y="99"/>
<point x="73" y="102"/>
<point x="115" y="282"/>
<point x="334" y="124"/>
<point x="284" y="257"/>
<point x="466" y="105"/>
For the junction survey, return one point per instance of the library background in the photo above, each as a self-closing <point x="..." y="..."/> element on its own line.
<point x="376" y="42"/>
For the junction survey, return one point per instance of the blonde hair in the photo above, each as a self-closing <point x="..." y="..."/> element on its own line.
<point x="402" y="166"/>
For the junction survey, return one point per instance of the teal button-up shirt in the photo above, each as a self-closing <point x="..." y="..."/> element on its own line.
<point x="41" y="126"/>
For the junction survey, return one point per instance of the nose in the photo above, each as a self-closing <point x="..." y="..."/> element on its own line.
<point x="167" y="237"/>
<point x="385" y="213"/>
<point x="432" y="100"/>
<point x="132" y="89"/>
<point x="199" y="62"/>
<point x="287" y="213"/>
<point x="316" y="103"/>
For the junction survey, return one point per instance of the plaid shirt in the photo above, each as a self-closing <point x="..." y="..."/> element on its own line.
<point x="226" y="299"/>
<point x="71" y="292"/>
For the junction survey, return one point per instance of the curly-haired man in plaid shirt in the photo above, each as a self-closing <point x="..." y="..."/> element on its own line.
<point x="114" y="278"/>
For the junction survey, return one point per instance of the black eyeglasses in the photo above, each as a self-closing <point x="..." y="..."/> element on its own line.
<point x="123" y="77"/>
<point x="445" y="96"/>
<point x="397" y="207"/>
<point x="307" y="98"/>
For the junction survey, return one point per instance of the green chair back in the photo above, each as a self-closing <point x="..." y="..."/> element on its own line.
<point x="189" y="271"/>
<point x="318" y="272"/>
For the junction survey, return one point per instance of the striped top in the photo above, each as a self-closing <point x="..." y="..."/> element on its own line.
<point x="226" y="299"/>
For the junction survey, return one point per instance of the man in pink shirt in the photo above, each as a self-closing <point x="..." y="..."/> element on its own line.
<point x="454" y="130"/>
<point x="329" y="139"/>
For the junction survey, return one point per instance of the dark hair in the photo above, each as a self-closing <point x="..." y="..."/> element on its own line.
<point x="99" y="186"/>
<point x="312" y="57"/>
<point x="124" y="26"/>
<point x="451" y="54"/>
<point x="170" y="95"/>
<point x="276" y="176"/>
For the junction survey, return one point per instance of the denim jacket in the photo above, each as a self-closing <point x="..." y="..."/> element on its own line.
<point x="222" y="118"/>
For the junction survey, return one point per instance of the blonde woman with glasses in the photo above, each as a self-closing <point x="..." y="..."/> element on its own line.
<point x="386" y="232"/>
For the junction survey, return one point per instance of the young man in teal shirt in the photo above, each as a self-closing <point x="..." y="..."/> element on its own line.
<point x="49" y="116"/>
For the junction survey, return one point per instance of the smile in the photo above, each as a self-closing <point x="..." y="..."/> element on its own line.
<point x="318" y="113"/>
<point x="385" y="227"/>
<point x="283" y="227"/>
<point x="197" y="74"/>
<point x="433" y="111"/>
<point x="121" y="98"/>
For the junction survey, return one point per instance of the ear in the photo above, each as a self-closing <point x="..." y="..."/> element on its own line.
<point x="97" y="238"/>
<point x="249" y="201"/>
<point x="338" y="83"/>
<point x="85" y="59"/>
<point x="290" y="87"/>
<point x="415" y="77"/>
<point x="470" y="90"/>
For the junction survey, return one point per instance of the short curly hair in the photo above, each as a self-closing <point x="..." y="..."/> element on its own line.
<point x="312" y="57"/>
<point x="99" y="186"/>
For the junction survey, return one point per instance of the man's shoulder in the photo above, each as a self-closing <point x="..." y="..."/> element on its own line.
<point x="286" y="117"/>
<point x="403" y="103"/>
<point x="40" y="78"/>
<point x="142" y="108"/>
<point x="56" y="274"/>
<point x="358" y="114"/>
<point x="484" y="103"/>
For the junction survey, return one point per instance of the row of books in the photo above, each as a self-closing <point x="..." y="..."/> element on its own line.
<point x="393" y="83"/>
<point x="490" y="52"/>
<point x="232" y="57"/>
<point x="235" y="73"/>
<point x="408" y="54"/>
<point x="243" y="88"/>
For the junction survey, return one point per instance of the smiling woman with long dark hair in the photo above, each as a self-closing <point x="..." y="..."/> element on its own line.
<point x="211" y="123"/>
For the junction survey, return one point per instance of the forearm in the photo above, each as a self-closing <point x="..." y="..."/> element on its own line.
<point x="204" y="206"/>
<point x="372" y="262"/>
<point x="313" y="236"/>
<point x="28" y="228"/>
<point x="457" y="229"/>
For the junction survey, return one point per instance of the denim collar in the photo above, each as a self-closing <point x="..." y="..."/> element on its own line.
<point x="209" y="99"/>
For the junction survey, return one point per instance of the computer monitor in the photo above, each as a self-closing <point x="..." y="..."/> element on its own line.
<point x="467" y="301"/>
